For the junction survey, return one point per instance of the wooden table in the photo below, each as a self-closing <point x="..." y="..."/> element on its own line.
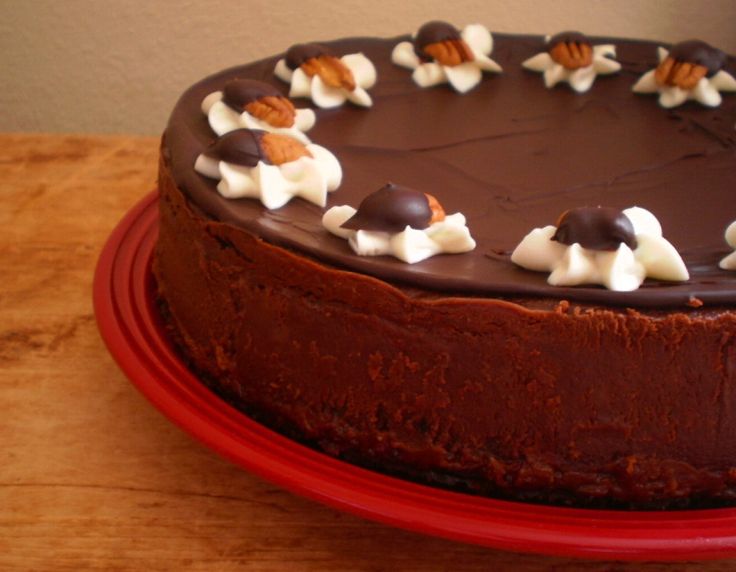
<point x="92" y="477"/>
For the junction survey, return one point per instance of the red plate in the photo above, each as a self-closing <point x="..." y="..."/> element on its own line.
<point x="129" y="323"/>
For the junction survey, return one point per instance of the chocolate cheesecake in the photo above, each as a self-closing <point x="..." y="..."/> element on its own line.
<point x="466" y="370"/>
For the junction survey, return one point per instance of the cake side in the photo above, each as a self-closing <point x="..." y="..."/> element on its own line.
<point x="467" y="370"/>
<point x="566" y="405"/>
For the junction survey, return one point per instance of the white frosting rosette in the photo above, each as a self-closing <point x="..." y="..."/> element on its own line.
<point x="462" y="77"/>
<point x="326" y="96"/>
<point x="706" y="91"/>
<point x="729" y="262"/>
<point x="310" y="178"/>
<point x="580" y="79"/>
<point x="223" y="119"/>
<point x="411" y="245"/>
<point x="621" y="270"/>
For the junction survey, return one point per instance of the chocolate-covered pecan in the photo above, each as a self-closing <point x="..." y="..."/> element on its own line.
<point x="247" y="147"/>
<point x="571" y="50"/>
<point x="261" y="100"/>
<point x="441" y="41"/>
<point x="394" y="207"/>
<point x="316" y="59"/>
<point x="689" y="62"/>
<point x="297" y="54"/>
<point x="595" y="228"/>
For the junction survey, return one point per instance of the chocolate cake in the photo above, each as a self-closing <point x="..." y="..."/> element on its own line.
<point x="466" y="370"/>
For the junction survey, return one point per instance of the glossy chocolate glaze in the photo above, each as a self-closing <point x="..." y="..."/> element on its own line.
<point x="511" y="155"/>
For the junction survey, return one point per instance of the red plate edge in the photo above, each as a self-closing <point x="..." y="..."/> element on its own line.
<point x="128" y="323"/>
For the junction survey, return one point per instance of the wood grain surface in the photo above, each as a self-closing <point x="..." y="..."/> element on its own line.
<point x="92" y="477"/>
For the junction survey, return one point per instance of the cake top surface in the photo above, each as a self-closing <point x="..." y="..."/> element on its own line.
<point x="510" y="155"/>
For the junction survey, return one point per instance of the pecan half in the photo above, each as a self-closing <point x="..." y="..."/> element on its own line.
<point x="572" y="55"/>
<point x="450" y="52"/>
<point x="685" y="75"/>
<point x="281" y="149"/>
<point x="331" y="70"/>
<point x="438" y="213"/>
<point x="276" y="111"/>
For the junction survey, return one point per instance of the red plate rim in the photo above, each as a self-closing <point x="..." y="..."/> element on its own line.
<point x="129" y="324"/>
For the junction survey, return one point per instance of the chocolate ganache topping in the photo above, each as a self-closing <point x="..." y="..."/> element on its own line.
<point x="595" y="228"/>
<point x="391" y="209"/>
<point x="238" y="93"/>
<point x="510" y="156"/>
<point x="699" y="53"/>
<point x="432" y="33"/>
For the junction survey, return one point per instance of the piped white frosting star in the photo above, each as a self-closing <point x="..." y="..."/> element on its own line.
<point x="411" y="245"/>
<point x="581" y="79"/>
<point x="729" y="262"/>
<point x="706" y="91"/>
<point x="325" y="96"/>
<point x="462" y="77"/>
<point x="223" y="119"/>
<point x="274" y="185"/>
<point x="621" y="270"/>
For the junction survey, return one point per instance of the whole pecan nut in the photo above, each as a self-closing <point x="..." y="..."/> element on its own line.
<point x="276" y="111"/>
<point x="331" y="70"/>
<point x="450" y="52"/>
